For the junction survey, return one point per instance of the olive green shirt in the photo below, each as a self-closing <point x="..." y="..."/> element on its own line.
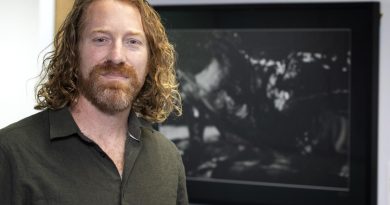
<point x="45" y="159"/>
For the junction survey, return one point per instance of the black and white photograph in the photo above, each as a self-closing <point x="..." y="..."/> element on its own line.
<point x="264" y="106"/>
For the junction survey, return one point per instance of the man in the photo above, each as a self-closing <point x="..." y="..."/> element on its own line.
<point x="111" y="73"/>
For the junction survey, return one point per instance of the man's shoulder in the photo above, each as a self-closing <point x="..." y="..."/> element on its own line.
<point x="150" y="131"/>
<point x="153" y="136"/>
<point x="31" y="120"/>
<point x="24" y="127"/>
<point x="161" y="148"/>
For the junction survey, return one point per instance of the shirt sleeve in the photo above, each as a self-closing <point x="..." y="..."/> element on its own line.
<point x="5" y="179"/>
<point x="182" y="197"/>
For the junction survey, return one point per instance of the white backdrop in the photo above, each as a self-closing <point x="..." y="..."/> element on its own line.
<point x="27" y="28"/>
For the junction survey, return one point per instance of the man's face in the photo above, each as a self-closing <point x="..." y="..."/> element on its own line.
<point x="113" y="55"/>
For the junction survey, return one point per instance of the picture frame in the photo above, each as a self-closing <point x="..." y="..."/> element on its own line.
<point x="279" y="101"/>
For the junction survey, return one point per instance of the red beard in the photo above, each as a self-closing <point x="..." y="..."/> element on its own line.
<point x="113" y="96"/>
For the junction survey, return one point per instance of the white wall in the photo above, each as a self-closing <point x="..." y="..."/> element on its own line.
<point x="27" y="28"/>
<point x="19" y="36"/>
<point x="384" y="109"/>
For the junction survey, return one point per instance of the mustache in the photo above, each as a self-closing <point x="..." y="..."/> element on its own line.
<point x="111" y="67"/>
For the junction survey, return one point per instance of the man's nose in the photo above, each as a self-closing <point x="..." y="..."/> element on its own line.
<point x="117" y="54"/>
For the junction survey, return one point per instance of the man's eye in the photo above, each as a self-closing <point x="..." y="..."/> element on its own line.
<point x="99" y="40"/>
<point x="134" y="42"/>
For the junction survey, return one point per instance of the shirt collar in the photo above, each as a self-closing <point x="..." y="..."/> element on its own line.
<point x="63" y="125"/>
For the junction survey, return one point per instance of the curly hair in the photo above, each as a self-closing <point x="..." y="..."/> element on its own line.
<point x="158" y="98"/>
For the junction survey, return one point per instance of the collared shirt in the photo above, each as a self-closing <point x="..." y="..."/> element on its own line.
<point x="45" y="159"/>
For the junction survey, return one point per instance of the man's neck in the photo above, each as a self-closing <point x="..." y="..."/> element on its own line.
<point x="97" y="125"/>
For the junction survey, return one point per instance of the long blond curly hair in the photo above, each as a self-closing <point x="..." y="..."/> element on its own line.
<point x="159" y="96"/>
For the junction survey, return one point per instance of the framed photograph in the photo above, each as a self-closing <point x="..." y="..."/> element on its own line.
<point x="279" y="102"/>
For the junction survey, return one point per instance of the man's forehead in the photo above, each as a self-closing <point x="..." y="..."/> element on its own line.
<point x="103" y="14"/>
<point x="95" y="8"/>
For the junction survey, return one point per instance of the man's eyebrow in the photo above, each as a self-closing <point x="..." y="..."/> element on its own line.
<point x="100" y="31"/>
<point x="106" y="31"/>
